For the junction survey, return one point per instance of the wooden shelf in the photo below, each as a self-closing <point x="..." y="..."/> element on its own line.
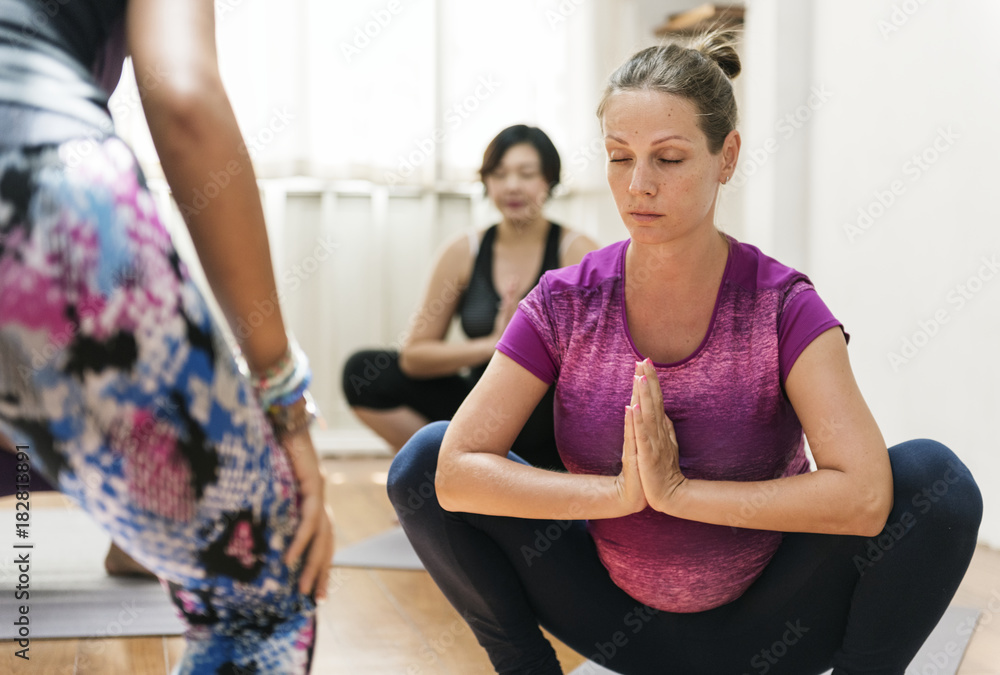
<point x="701" y="17"/>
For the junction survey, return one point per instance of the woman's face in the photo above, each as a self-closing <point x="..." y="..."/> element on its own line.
<point x="662" y="175"/>
<point x="517" y="186"/>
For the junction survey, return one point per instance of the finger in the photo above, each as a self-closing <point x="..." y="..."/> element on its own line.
<point x="629" y="452"/>
<point x="304" y="533"/>
<point x="638" y="421"/>
<point x="316" y="562"/>
<point x="646" y="407"/>
<point x="511" y="291"/>
<point x="670" y="429"/>
<point x="654" y="378"/>
<point x="322" y="585"/>
<point x="635" y="390"/>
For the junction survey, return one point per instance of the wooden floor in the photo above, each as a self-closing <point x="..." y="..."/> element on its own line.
<point x="398" y="623"/>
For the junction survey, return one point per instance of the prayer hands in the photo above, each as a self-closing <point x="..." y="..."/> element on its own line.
<point x="650" y="452"/>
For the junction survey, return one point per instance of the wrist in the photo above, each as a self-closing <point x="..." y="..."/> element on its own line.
<point x="293" y="418"/>
<point x="671" y="500"/>
<point x="609" y="499"/>
<point x="282" y="390"/>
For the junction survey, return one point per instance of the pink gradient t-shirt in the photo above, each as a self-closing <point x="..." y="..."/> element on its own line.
<point x="726" y="400"/>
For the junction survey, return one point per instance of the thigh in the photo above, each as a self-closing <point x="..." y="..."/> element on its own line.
<point x="372" y="379"/>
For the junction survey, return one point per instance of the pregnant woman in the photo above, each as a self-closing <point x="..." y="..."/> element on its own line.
<point x="690" y="535"/>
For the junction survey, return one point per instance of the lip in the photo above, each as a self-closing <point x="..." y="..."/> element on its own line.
<point x="515" y="205"/>
<point x="645" y="216"/>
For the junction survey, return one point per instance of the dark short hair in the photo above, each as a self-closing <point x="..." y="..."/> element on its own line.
<point x="515" y="135"/>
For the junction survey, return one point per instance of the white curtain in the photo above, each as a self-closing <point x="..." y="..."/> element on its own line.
<point x="407" y="91"/>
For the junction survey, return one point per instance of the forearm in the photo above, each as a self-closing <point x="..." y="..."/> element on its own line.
<point x="437" y="358"/>
<point x="482" y="482"/>
<point x="825" y="501"/>
<point x="200" y="144"/>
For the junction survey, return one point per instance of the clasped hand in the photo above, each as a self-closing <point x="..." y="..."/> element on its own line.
<point x="651" y="474"/>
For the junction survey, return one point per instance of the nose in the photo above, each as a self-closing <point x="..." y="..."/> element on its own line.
<point x="511" y="181"/>
<point x="642" y="182"/>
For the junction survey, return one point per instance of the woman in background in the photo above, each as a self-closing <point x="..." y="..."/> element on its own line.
<point x="113" y="373"/>
<point x="480" y="277"/>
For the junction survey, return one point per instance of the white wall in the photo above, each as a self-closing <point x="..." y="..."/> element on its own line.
<point x="903" y="79"/>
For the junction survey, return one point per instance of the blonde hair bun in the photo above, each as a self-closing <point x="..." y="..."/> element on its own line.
<point x="719" y="45"/>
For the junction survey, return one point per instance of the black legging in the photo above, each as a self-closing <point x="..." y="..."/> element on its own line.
<point x="372" y="379"/>
<point x="860" y="605"/>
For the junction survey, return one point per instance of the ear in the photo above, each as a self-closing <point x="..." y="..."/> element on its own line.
<point x="730" y="152"/>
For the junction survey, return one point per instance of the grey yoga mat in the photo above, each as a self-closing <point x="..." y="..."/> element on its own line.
<point x="387" y="550"/>
<point x="941" y="654"/>
<point x="69" y="593"/>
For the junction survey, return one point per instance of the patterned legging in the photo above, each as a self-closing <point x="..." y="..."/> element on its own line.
<point x="116" y="377"/>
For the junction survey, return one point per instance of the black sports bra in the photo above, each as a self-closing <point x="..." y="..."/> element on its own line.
<point x="480" y="303"/>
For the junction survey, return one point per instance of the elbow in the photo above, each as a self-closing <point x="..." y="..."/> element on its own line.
<point x="406" y="365"/>
<point x="184" y="107"/>
<point x="452" y="478"/>
<point x="872" y="515"/>
<point x="444" y="497"/>
<point x="413" y="365"/>
<point x="443" y="489"/>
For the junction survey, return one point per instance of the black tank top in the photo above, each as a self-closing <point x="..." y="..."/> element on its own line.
<point x="480" y="303"/>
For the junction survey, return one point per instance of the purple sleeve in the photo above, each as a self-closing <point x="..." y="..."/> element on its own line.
<point x="528" y="338"/>
<point x="804" y="317"/>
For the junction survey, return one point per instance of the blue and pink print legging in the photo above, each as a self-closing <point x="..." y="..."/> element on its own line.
<point x="116" y="377"/>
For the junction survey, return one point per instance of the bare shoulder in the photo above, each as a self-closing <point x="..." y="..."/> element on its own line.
<point x="456" y="256"/>
<point x="573" y="245"/>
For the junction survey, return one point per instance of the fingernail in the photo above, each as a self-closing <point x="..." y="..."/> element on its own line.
<point x="648" y="360"/>
<point x="642" y="378"/>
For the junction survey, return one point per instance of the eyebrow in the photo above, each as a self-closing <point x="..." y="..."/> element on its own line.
<point x="656" y="142"/>
<point x="530" y="164"/>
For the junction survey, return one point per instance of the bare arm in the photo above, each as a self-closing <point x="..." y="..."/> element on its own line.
<point x="849" y="493"/>
<point x="425" y="352"/>
<point x="474" y="474"/>
<point x="196" y="136"/>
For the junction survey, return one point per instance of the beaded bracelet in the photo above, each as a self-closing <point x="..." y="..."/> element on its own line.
<point x="291" y="419"/>
<point x="280" y="371"/>
<point x="283" y="385"/>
